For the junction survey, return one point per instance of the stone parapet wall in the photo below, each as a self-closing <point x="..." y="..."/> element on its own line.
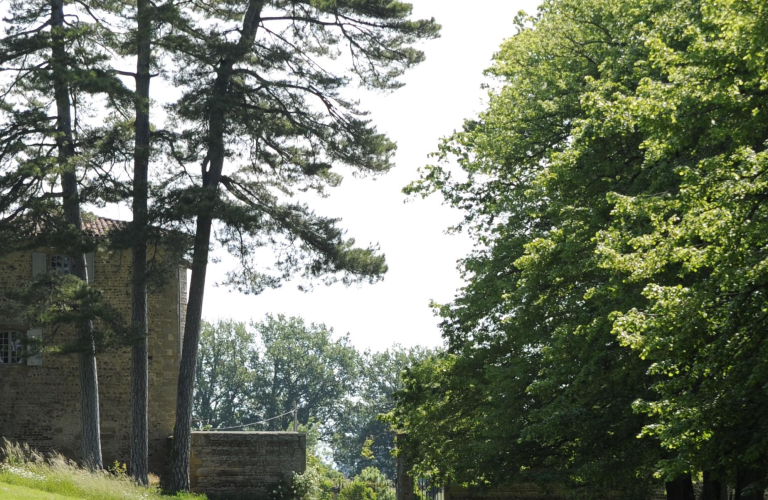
<point x="224" y="463"/>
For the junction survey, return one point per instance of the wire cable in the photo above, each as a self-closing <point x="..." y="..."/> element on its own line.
<point x="252" y="423"/>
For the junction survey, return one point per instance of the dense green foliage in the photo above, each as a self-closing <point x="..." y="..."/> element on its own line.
<point x="315" y="483"/>
<point x="611" y="331"/>
<point x="249" y="374"/>
<point x="370" y="484"/>
<point x="361" y="439"/>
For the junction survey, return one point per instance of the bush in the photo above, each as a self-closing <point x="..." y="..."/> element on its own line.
<point x="370" y="484"/>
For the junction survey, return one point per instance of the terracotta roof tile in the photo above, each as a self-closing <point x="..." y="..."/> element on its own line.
<point x="101" y="226"/>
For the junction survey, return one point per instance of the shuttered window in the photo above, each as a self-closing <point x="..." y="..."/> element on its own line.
<point x="42" y="262"/>
<point x="39" y="263"/>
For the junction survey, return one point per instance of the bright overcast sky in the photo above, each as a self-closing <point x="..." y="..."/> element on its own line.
<point x="438" y="95"/>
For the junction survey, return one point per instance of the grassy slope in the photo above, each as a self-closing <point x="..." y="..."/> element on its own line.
<point x="63" y="481"/>
<point x="26" y="474"/>
<point x="11" y="492"/>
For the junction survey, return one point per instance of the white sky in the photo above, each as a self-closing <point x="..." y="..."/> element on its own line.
<point x="438" y="95"/>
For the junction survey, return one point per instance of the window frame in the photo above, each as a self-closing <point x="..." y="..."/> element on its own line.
<point x="66" y="263"/>
<point x="22" y="332"/>
<point x="42" y="262"/>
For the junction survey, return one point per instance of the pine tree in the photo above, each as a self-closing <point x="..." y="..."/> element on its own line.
<point x="48" y="60"/>
<point x="139" y="467"/>
<point x="258" y="100"/>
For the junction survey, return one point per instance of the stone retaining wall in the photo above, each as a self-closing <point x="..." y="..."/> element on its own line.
<point x="523" y="491"/>
<point x="225" y="463"/>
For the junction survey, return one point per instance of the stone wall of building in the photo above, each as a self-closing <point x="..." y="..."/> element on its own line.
<point x="40" y="405"/>
<point x="225" y="463"/>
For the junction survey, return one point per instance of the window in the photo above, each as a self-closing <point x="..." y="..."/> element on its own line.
<point x="60" y="263"/>
<point x="11" y="348"/>
<point x="44" y="262"/>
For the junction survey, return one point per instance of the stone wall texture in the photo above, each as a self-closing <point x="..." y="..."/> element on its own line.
<point x="523" y="491"/>
<point x="225" y="463"/>
<point x="40" y="405"/>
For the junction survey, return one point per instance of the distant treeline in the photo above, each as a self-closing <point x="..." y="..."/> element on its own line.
<point x="247" y="374"/>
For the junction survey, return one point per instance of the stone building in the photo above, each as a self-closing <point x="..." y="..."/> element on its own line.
<point x="40" y="395"/>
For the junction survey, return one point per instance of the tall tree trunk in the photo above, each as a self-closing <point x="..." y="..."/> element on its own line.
<point x="750" y="483"/>
<point x="713" y="487"/>
<point x="681" y="488"/>
<point x="184" y="397"/>
<point x="139" y="467"/>
<point x="89" y="381"/>
<point x="211" y="174"/>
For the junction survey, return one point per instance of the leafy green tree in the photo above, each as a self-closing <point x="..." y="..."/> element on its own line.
<point x="249" y="374"/>
<point x="302" y="364"/>
<point x="615" y="186"/>
<point x="369" y="484"/>
<point x="360" y="438"/>
<point x="697" y="242"/>
<point x="226" y="375"/>
<point x="258" y="97"/>
<point x="535" y="386"/>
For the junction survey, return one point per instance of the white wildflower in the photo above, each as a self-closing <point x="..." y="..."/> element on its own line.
<point x="21" y="472"/>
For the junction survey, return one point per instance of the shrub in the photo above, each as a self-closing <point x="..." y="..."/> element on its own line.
<point x="370" y="484"/>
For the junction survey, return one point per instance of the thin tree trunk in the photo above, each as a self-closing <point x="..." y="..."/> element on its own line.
<point x="274" y="403"/>
<point x="750" y="483"/>
<point x="681" y="488"/>
<point x="139" y="467"/>
<point x="182" y="430"/>
<point x="713" y="488"/>
<point x="89" y="381"/>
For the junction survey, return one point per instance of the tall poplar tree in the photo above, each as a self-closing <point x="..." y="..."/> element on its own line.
<point x="258" y="100"/>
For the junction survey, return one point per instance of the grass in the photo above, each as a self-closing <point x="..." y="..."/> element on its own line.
<point x="26" y="474"/>
<point x="11" y="492"/>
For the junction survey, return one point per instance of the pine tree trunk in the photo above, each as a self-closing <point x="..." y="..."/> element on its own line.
<point x="713" y="489"/>
<point x="89" y="410"/>
<point x="184" y="398"/>
<point x="89" y="382"/>
<point x="750" y="483"/>
<point x="139" y="467"/>
<point x="681" y="488"/>
<point x="182" y="430"/>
